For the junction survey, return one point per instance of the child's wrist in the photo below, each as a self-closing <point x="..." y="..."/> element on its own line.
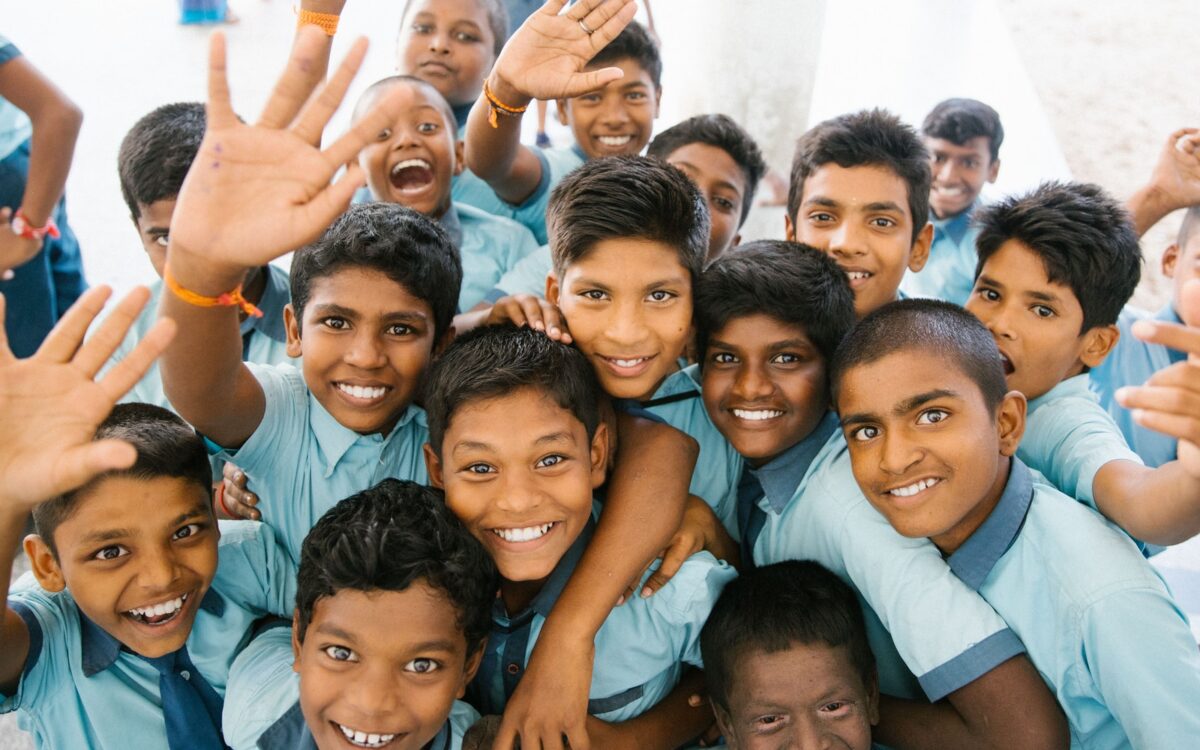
<point x="507" y="93"/>
<point x="201" y="275"/>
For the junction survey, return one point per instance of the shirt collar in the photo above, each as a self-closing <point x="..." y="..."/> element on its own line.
<point x="335" y="439"/>
<point x="453" y="225"/>
<point x="782" y="475"/>
<point x="460" y="116"/>
<point x="955" y="227"/>
<point x="1077" y="385"/>
<point x="553" y="588"/>
<point x="974" y="560"/>
<point x="276" y="295"/>
<point x="99" y="649"/>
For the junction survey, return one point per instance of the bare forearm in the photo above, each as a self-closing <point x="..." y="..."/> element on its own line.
<point x="1160" y="506"/>
<point x="54" y="134"/>
<point x="671" y="723"/>
<point x="495" y="154"/>
<point x="1147" y="207"/>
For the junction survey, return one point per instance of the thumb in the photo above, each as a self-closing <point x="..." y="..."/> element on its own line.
<point x="581" y="83"/>
<point x="6" y="215"/>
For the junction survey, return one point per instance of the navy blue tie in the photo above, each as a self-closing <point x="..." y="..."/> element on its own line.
<point x="191" y="708"/>
<point x="751" y="517"/>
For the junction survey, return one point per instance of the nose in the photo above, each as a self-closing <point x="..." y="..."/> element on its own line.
<point x="945" y="172"/>
<point x="897" y="453"/>
<point x="439" y="42"/>
<point x="625" y="327"/>
<point x="159" y="570"/>
<point x="997" y="318"/>
<point x="375" y="693"/>
<point x="752" y="383"/>
<point x="365" y="351"/>
<point x="404" y="135"/>
<point x="846" y="240"/>
<point x="518" y="493"/>
<point x="613" y="112"/>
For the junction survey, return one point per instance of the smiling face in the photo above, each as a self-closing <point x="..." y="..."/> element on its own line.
<point x="959" y="173"/>
<point x="138" y="556"/>
<point x="927" y="451"/>
<point x="382" y="668"/>
<point x="860" y="217"/>
<point x="412" y="161"/>
<point x="807" y="696"/>
<point x="518" y="471"/>
<point x="1035" y="321"/>
<point x="448" y="43"/>
<point x="628" y="303"/>
<point x="764" y="385"/>
<point x="722" y="182"/>
<point x="366" y="341"/>
<point x="615" y="120"/>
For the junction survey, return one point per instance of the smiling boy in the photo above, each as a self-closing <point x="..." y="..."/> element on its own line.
<point x="859" y="191"/>
<point x="390" y="585"/>
<point x="963" y="137"/>
<point x="1056" y="266"/>
<point x="769" y="317"/>
<point x="932" y="431"/>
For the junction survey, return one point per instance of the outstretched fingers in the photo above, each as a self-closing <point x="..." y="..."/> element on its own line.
<point x="125" y="374"/>
<point x="608" y="20"/>
<point x="320" y="108"/>
<point x="99" y="347"/>
<point x="219" y="111"/>
<point x="64" y="339"/>
<point x="299" y="78"/>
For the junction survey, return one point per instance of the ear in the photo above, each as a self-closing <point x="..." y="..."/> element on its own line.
<point x="993" y="170"/>
<point x="725" y="725"/>
<point x="599" y="454"/>
<point x="1169" y="258"/>
<point x="441" y="344"/>
<point x="737" y="238"/>
<point x="552" y="290"/>
<point x="560" y="111"/>
<point x="459" y="157"/>
<point x="873" y="699"/>
<point x="919" y="255"/>
<point x="789" y="228"/>
<point x="471" y="668"/>
<point x="1010" y="421"/>
<point x="292" y="326"/>
<point x="433" y="465"/>
<point x="1097" y="343"/>
<point x="296" y="640"/>
<point x="45" y="567"/>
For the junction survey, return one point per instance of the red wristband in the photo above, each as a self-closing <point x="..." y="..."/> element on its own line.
<point x="22" y="228"/>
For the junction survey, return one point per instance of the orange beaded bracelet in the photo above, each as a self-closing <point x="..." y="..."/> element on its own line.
<point x="228" y="299"/>
<point x="327" y="22"/>
<point x="498" y="107"/>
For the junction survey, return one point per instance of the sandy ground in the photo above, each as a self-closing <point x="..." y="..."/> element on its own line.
<point x="1114" y="79"/>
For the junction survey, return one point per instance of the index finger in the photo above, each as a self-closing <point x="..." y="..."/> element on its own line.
<point x="126" y="373"/>
<point x="319" y="110"/>
<point x="219" y="110"/>
<point x="64" y="339"/>
<point x="299" y="78"/>
<point x="1171" y="335"/>
<point x="609" y="20"/>
<point x="381" y="115"/>
<point x="98" y="347"/>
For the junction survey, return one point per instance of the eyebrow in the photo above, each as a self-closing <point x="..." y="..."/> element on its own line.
<point x="106" y="535"/>
<point x="901" y="408"/>
<point x="552" y="437"/>
<point x="330" y="308"/>
<point x="1035" y="295"/>
<point x="335" y="632"/>
<point x="884" y="206"/>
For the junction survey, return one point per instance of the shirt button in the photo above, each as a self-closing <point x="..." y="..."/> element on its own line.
<point x="185" y="674"/>
<point x="514" y="668"/>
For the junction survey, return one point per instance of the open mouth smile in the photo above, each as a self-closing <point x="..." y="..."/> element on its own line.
<point x="915" y="488"/>
<point x="364" y="739"/>
<point x="411" y="176"/>
<point x="160" y="614"/>
<point x="756" y="415"/>
<point x="525" y="534"/>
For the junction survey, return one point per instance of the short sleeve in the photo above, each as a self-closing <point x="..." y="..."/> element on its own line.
<point x="262" y="688"/>
<point x="255" y="570"/>
<point x="1150" y="684"/>
<point x="1068" y="440"/>
<point x="528" y="276"/>
<point x="683" y="605"/>
<point x="53" y="623"/>
<point x="284" y="422"/>
<point x="943" y="630"/>
<point x="8" y="50"/>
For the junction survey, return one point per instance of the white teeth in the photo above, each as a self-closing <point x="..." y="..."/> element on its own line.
<point x="628" y="362"/>
<point x="856" y="275"/>
<point x="914" y="488"/>
<point x="950" y="190"/>
<point x="756" y="415"/>
<point x="160" y="609"/>
<point x="410" y="163"/>
<point x="359" y="391"/>
<point x="527" y="534"/>
<point x="362" y="739"/>
<point x="614" y="140"/>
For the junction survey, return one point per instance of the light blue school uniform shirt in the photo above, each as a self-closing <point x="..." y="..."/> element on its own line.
<point x="81" y="689"/>
<point x="943" y="632"/>
<point x="949" y="274"/>
<point x="489" y="247"/>
<point x="1132" y="362"/>
<point x="301" y="461"/>
<point x="528" y="276"/>
<point x="262" y="702"/>
<point x="719" y="466"/>
<point x="640" y="648"/>
<point x="1100" y="625"/>
<point x="264" y="340"/>
<point x="15" y="125"/>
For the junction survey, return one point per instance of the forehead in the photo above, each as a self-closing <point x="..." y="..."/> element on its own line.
<point x="454" y="11"/>
<point x="1016" y="264"/>
<point x="515" y="419"/>
<point x="142" y="507"/>
<point x="856" y="187"/>
<point x="367" y="291"/>
<point x="391" y="620"/>
<point x="759" y="330"/>
<point x="156" y="214"/>
<point x="881" y="384"/>
<point x="708" y="162"/>
<point x="800" y="674"/>
<point x="630" y="261"/>
<point x="635" y="74"/>
<point x="979" y="145"/>
<point x="411" y="96"/>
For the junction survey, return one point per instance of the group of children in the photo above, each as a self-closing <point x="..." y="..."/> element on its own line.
<point x="639" y="485"/>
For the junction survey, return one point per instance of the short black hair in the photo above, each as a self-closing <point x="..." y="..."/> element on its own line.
<point x="1084" y="237"/>
<point x="960" y="120"/>
<point x="406" y="246"/>
<point x="721" y="132"/>
<point x="495" y="361"/>
<point x="627" y="197"/>
<point x="389" y="537"/>
<point x="633" y="43"/>
<point x="869" y="138"/>
<point x="166" y="447"/>
<point x="157" y="152"/>
<point x="497" y="13"/>
<point x="774" y="607"/>
<point x="931" y="326"/>
<point x="793" y="283"/>
<point x="1191" y="222"/>
<point x="439" y="101"/>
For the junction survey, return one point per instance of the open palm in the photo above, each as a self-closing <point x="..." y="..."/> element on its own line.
<point x="546" y="57"/>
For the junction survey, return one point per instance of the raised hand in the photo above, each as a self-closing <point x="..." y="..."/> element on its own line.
<point x="51" y="404"/>
<point x="255" y="192"/>
<point x="1174" y="183"/>
<point x="546" y="57"/>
